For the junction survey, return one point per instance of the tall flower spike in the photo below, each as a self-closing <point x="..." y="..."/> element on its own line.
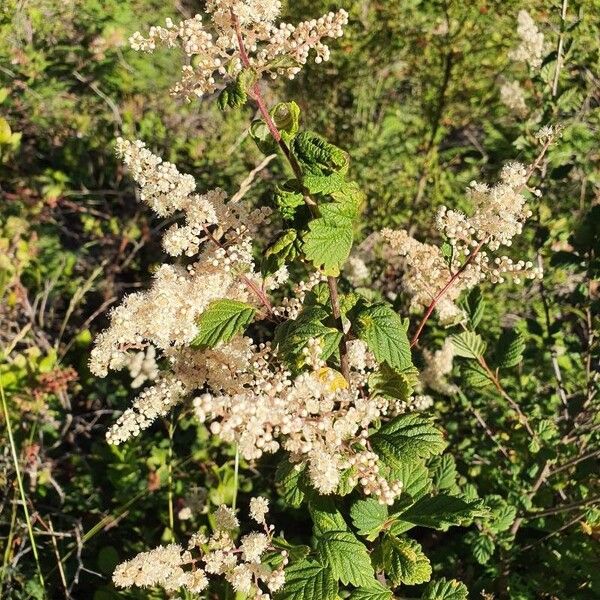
<point x="531" y="47"/>
<point x="274" y="50"/>
<point x="498" y="215"/>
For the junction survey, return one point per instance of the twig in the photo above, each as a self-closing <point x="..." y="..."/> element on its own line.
<point x="536" y="486"/>
<point x="442" y="292"/>
<point x="15" y="457"/>
<point x="256" y="95"/>
<point x="559" y="57"/>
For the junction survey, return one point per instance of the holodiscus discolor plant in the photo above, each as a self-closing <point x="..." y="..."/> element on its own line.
<point x="282" y="349"/>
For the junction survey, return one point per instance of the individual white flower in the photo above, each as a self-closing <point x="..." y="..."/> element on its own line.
<point x="259" y="507"/>
<point x="225" y="519"/>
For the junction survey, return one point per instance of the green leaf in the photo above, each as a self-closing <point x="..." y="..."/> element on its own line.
<point x="444" y="474"/>
<point x="405" y="561"/>
<point x="475" y="376"/>
<point x="369" y="517"/>
<point x="221" y="321"/>
<point x="392" y="383"/>
<point x="317" y="156"/>
<point x="329" y="238"/>
<point x="483" y="549"/>
<point x="347" y="557"/>
<point x="290" y="483"/>
<point x="444" y="589"/>
<point x="308" y="580"/>
<point x="326" y="517"/>
<point x="474" y="306"/>
<point x="509" y="349"/>
<point x="323" y="184"/>
<point x="292" y="336"/>
<point x="414" y="477"/>
<point x="289" y="198"/>
<point x="236" y="94"/>
<point x="347" y="482"/>
<point x="443" y="511"/>
<point x="280" y="251"/>
<point x="376" y="591"/>
<point x="295" y="552"/>
<point x="406" y="439"/>
<point x="468" y="344"/>
<point x="286" y="116"/>
<point x="382" y="329"/>
<point x="502" y="514"/>
<point x="261" y="135"/>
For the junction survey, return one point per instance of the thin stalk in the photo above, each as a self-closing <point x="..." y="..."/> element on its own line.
<point x="9" y="542"/>
<point x="513" y="403"/>
<point x="13" y="450"/>
<point x="256" y="95"/>
<point x="170" y="481"/>
<point x="442" y="293"/>
<point x="559" y="49"/>
<point x="236" y="476"/>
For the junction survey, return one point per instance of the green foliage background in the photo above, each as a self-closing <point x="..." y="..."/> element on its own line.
<point x="412" y="92"/>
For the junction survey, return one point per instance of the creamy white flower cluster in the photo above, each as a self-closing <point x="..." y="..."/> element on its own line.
<point x="513" y="97"/>
<point x="214" y="51"/>
<point x="438" y="365"/>
<point x="163" y="318"/>
<point x="142" y="367"/>
<point x="499" y="213"/>
<point x="321" y="421"/>
<point x="425" y="274"/>
<point x="173" y="568"/>
<point x="531" y="46"/>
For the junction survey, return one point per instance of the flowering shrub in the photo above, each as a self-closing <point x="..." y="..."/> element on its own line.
<point x="331" y="389"/>
<point x="415" y="413"/>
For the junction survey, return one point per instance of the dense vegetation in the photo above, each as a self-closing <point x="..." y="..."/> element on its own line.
<point x="500" y="496"/>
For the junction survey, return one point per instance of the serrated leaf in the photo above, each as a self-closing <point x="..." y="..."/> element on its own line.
<point x="414" y="476"/>
<point x="292" y="336"/>
<point x="502" y="514"/>
<point x="406" y="439"/>
<point x="475" y="376"/>
<point x="382" y="329"/>
<point x="405" y="561"/>
<point x="442" y="511"/>
<point x="444" y="589"/>
<point x="221" y="321"/>
<point x="329" y="238"/>
<point x="323" y="184"/>
<point x="483" y="549"/>
<point x="474" y="305"/>
<point x="347" y="557"/>
<point x="369" y="517"/>
<point x="468" y="344"/>
<point x="444" y="474"/>
<point x="289" y="198"/>
<point x="509" y="349"/>
<point x="392" y="383"/>
<point x="326" y="517"/>
<point x="316" y="155"/>
<point x="308" y="580"/>
<point x="290" y="483"/>
<point x="375" y="591"/>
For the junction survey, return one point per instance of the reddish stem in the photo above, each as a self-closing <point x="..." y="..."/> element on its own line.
<point x="442" y="292"/>
<point x="256" y="95"/>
